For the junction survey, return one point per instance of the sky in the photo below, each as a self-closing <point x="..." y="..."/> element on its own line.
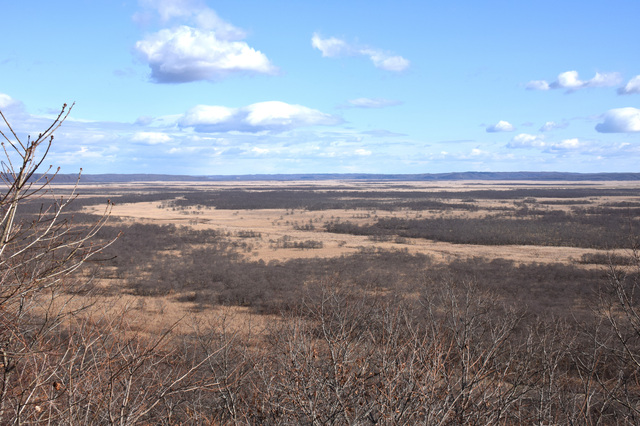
<point x="204" y="87"/>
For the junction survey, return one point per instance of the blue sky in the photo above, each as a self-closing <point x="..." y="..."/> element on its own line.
<point x="241" y="87"/>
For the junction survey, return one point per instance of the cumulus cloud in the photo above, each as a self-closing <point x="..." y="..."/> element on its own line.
<point x="363" y="152"/>
<point x="524" y="140"/>
<point x="567" y="144"/>
<point x="207" y="115"/>
<point x="552" y="125"/>
<point x="570" y="80"/>
<point x="334" y="47"/>
<point x="633" y="86"/>
<point x="372" y="103"/>
<point x="151" y="138"/>
<point x="273" y="116"/>
<point x="199" y="45"/>
<point x="186" y="54"/>
<point x="500" y="126"/>
<point x="620" y="120"/>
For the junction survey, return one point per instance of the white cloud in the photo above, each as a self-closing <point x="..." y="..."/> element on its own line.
<point x="206" y="115"/>
<point x="475" y="155"/>
<point x="334" y="47"/>
<point x="331" y="47"/>
<point x="372" y="103"/>
<point x="144" y="120"/>
<point x="274" y="114"/>
<point x="195" y="12"/>
<point x="570" y="80"/>
<point x="151" y="138"/>
<point x="362" y="152"/>
<point x="633" y="86"/>
<point x="170" y="9"/>
<point x="567" y="144"/>
<point x="620" y="120"/>
<point x="607" y="79"/>
<point x="6" y="100"/>
<point x="262" y="116"/>
<point x="524" y="140"/>
<point x="185" y="54"/>
<point x="385" y="61"/>
<point x="537" y="85"/>
<point x="500" y="126"/>
<point x="552" y="125"/>
<point x="259" y="151"/>
<point x="199" y="45"/>
<point x="382" y="133"/>
<point x="185" y="150"/>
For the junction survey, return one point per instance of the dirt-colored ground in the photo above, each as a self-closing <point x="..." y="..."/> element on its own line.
<point x="151" y="315"/>
<point x="274" y="224"/>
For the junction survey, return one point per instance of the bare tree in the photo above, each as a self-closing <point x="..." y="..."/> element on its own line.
<point x="612" y="366"/>
<point x="63" y="360"/>
<point x="40" y="250"/>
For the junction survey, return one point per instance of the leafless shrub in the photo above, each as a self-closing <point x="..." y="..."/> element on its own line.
<point x="62" y="360"/>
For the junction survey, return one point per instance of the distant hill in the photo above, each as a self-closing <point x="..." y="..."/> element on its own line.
<point x="489" y="176"/>
<point x="117" y="178"/>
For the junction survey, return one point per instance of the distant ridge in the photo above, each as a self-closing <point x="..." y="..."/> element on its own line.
<point x="506" y="176"/>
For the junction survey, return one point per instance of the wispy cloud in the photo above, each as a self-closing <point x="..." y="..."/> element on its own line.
<point x="552" y="125"/>
<point x="500" y="126"/>
<point x="567" y="144"/>
<point x="537" y="85"/>
<point x="6" y="100"/>
<point x="204" y="47"/>
<point x="381" y="133"/>
<point x="151" y="138"/>
<point x="192" y="12"/>
<point x="372" y="103"/>
<point x="334" y="48"/>
<point x="620" y="120"/>
<point x="632" y="87"/>
<point x="570" y="81"/>
<point x="474" y="155"/>
<point x="362" y="152"/>
<point x="524" y="140"/>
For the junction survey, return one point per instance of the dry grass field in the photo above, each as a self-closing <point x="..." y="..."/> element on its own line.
<point x="339" y="302"/>
<point x="273" y="224"/>
<point x="262" y="228"/>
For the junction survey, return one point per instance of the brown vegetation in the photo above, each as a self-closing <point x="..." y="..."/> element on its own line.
<point x="316" y="303"/>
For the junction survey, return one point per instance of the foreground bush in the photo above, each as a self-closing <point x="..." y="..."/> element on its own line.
<point x="63" y="360"/>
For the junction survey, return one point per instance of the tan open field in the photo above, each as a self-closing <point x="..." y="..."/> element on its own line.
<point x="274" y="224"/>
<point x="154" y="313"/>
